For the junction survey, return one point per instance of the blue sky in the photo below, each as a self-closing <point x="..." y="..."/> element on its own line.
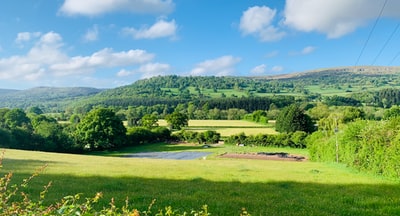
<point x="109" y="43"/>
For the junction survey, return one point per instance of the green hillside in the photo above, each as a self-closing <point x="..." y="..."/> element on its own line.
<point x="47" y="98"/>
<point x="172" y="90"/>
<point x="313" y="84"/>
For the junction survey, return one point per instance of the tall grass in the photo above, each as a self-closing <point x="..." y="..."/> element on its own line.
<point x="225" y="185"/>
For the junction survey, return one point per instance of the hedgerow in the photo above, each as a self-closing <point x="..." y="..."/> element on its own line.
<point x="294" y="140"/>
<point x="371" y="146"/>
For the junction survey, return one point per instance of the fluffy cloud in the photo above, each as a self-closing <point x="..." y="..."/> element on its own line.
<point x="221" y="66"/>
<point x="260" y="69"/>
<point x="335" y="18"/>
<point x="105" y="58"/>
<point x="258" y="21"/>
<point x="147" y="70"/>
<point x="160" y="29"/>
<point x="97" y="7"/>
<point x="46" y="60"/>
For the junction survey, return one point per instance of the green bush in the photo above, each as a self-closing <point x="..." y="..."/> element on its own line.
<point x="294" y="140"/>
<point x="142" y="135"/>
<point x="371" y="146"/>
<point x="206" y="137"/>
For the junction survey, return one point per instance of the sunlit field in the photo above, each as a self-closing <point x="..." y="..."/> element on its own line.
<point x="263" y="187"/>
<point x="216" y="123"/>
<point x="227" y="127"/>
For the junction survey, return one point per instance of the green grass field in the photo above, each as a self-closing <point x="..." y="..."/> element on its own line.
<point x="226" y="185"/>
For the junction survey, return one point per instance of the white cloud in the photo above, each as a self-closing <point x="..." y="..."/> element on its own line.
<point x="147" y="70"/>
<point x="221" y="66"/>
<point x="47" y="61"/>
<point x="276" y="69"/>
<point x="260" y="69"/>
<point x="258" y="21"/>
<point x="308" y="50"/>
<point x="305" y="51"/>
<point x="160" y="29"/>
<point x="124" y="73"/>
<point x="92" y="34"/>
<point x="26" y="36"/>
<point x="98" y="7"/>
<point x="105" y="58"/>
<point x="335" y="18"/>
<point x="33" y="65"/>
<point x="154" y="69"/>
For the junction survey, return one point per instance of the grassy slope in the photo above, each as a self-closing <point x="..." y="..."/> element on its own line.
<point x="226" y="185"/>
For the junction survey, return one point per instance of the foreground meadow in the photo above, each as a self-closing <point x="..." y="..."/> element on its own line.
<point x="226" y="185"/>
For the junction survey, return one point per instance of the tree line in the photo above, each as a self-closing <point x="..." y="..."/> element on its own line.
<point x="99" y="129"/>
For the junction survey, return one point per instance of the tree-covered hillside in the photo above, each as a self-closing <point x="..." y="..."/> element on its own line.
<point x="49" y="99"/>
<point x="361" y="84"/>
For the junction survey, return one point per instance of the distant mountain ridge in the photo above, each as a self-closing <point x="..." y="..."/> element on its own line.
<point x="366" y="70"/>
<point x="40" y="96"/>
<point x="7" y="91"/>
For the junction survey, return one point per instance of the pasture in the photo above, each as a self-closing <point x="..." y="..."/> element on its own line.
<point x="228" y="127"/>
<point x="263" y="187"/>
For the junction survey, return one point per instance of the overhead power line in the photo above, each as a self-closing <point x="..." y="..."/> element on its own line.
<point x="372" y="30"/>
<point x="394" y="58"/>
<point x="386" y="43"/>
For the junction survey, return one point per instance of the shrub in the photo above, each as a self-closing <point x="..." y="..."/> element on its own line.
<point x="141" y="135"/>
<point x="294" y="140"/>
<point x="370" y="146"/>
<point x="208" y="137"/>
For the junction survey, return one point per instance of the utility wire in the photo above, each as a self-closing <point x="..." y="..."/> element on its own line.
<point x="370" y="33"/>
<point x="386" y="43"/>
<point x="394" y="58"/>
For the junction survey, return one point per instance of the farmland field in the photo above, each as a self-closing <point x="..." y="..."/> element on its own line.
<point x="228" y="127"/>
<point x="263" y="187"/>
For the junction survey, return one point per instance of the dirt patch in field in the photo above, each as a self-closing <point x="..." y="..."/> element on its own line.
<point x="280" y="156"/>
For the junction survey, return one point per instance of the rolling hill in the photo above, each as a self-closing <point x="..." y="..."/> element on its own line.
<point x="43" y="97"/>
<point x="174" y="89"/>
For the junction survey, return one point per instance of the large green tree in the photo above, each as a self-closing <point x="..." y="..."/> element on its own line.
<point x="17" y="118"/>
<point x="292" y="119"/>
<point x="100" y="129"/>
<point x="177" y="120"/>
<point x="149" y="121"/>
